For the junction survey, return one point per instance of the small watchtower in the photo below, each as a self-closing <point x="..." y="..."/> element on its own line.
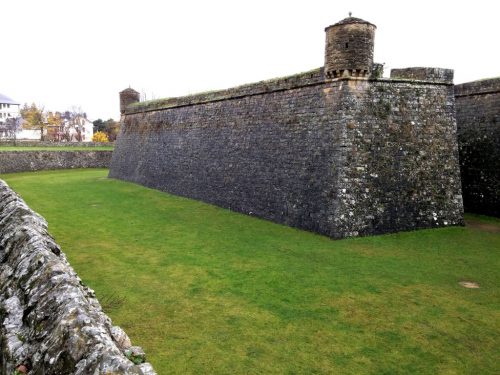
<point x="128" y="96"/>
<point x="349" y="48"/>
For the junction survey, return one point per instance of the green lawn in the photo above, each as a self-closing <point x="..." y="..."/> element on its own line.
<point x="206" y="290"/>
<point x="56" y="148"/>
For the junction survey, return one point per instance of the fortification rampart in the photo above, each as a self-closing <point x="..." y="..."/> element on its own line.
<point x="25" y="161"/>
<point x="310" y="78"/>
<point x="51" y="323"/>
<point x="478" y="120"/>
<point x="343" y="157"/>
<point x="342" y="153"/>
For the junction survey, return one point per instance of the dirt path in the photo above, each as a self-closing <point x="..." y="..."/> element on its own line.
<point x="475" y="223"/>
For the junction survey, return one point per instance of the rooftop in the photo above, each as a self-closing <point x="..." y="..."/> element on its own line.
<point x="6" y="100"/>
<point x="351" y="20"/>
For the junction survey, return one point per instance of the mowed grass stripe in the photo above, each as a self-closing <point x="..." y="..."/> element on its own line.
<point x="207" y="290"/>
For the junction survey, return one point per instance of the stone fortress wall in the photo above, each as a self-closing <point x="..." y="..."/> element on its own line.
<point x="50" y="322"/>
<point x="342" y="153"/>
<point x="335" y="150"/>
<point x="478" y="121"/>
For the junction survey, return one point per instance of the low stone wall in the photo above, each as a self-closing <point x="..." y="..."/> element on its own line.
<point x="23" y="161"/>
<point x="50" y="322"/>
<point x="23" y="142"/>
<point x="424" y="74"/>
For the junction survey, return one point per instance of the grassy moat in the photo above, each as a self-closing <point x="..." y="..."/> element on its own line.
<point x="206" y="290"/>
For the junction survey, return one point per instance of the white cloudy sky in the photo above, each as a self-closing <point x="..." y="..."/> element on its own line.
<point x="67" y="53"/>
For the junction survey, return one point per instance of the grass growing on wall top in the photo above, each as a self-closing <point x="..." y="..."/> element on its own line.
<point x="206" y="290"/>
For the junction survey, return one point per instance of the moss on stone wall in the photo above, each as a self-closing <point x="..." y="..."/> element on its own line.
<point x="343" y="157"/>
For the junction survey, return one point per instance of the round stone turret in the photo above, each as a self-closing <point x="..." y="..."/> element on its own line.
<point x="349" y="48"/>
<point x="128" y="96"/>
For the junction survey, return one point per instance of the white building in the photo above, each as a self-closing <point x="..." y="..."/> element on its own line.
<point x="9" y="117"/>
<point x="74" y="127"/>
<point x="8" y="108"/>
<point x="77" y="128"/>
<point x="83" y="127"/>
<point x="28" y="134"/>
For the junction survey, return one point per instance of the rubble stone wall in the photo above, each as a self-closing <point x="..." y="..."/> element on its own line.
<point x="24" y="161"/>
<point x="50" y="322"/>
<point x="32" y="143"/>
<point x="478" y="120"/>
<point x="339" y="157"/>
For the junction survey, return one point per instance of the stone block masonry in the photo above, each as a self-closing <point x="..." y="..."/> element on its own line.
<point x="50" y="322"/>
<point x="478" y="121"/>
<point x="25" y="161"/>
<point x="341" y="154"/>
<point x="343" y="158"/>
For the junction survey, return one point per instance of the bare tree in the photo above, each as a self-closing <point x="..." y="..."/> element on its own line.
<point x="9" y="128"/>
<point x="74" y="120"/>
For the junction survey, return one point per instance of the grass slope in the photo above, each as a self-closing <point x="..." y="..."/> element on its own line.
<point x="206" y="290"/>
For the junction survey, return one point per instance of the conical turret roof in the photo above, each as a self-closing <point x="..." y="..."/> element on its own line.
<point x="350" y="20"/>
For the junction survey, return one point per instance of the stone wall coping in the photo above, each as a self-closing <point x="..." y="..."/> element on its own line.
<point x="481" y="87"/>
<point x="50" y="321"/>
<point x="311" y="78"/>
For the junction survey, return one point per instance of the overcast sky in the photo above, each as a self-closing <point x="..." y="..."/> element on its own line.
<point x="67" y="53"/>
